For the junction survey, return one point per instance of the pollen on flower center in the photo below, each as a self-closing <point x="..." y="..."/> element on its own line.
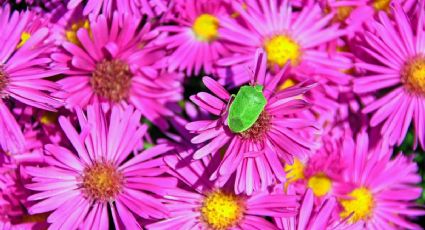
<point x="111" y="80"/>
<point x="102" y="181"/>
<point x="342" y="13"/>
<point x="381" y="4"/>
<point x="221" y="210"/>
<point x="71" y="34"/>
<point x="320" y="184"/>
<point x="3" y="79"/>
<point x="259" y="128"/>
<point x="280" y="49"/>
<point x="205" y="27"/>
<point x="413" y="75"/>
<point x="361" y="205"/>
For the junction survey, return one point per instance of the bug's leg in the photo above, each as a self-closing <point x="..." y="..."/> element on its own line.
<point x="228" y="103"/>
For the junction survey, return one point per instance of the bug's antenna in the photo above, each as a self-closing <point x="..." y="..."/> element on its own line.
<point x="257" y="65"/>
<point x="250" y="72"/>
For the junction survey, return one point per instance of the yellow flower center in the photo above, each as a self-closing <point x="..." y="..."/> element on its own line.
<point x="281" y="49"/>
<point x="71" y="34"/>
<point x="360" y="206"/>
<point x="320" y="184"/>
<point x="294" y="171"/>
<point x="24" y="38"/>
<point x="206" y="27"/>
<point x="413" y="75"/>
<point x="382" y="5"/>
<point x="222" y="210"/>
<point x="102" y="181"/>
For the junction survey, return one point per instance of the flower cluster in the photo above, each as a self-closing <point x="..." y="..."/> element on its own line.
<point x="212" y="114"/>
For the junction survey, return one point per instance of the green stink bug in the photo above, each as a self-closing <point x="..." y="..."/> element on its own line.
<point x="245" y="109"/>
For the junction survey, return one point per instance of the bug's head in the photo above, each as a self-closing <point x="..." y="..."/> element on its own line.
<point x="259" y="88"/>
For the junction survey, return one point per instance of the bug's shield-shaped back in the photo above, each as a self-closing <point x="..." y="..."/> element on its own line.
<point x="246" y="108"/>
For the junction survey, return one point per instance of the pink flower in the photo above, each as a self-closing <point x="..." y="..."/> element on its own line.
<point x="111" y="60"/>
<point x="378" y="190"/>
<point x="80" y="186"/>
<point x="285" y="36"/>
<point x="24" y="65"/>
<point x="207" y="206"/>
<point x="395" y="76"/>
<point x="322" y="171"/>
<point x="195" y="42"/>
<point x="13" y="198"/>
<point x="257" y="154"/>
<point x="136" y="7"/>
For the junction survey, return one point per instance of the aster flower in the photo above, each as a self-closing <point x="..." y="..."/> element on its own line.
<point x="256" y="153"/>
<point x="195" y="41"/>
<point x="397" y="75"/>
<point x="322" y="171"/>
<point x="80" y="187"/>
<point x="13" y="199"/>
<point x="354" y="13"/>
<point x="324" y="98"/>
<point x="115" y="62"/>
<point x="24" y="65"/>
<point x="207" y="206"/>
<point x="136" y="7"/>
<point x="378" y="190"/>
<point x="285" y="36"/>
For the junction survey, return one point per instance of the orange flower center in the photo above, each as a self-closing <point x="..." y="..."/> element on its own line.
<point x="102" y="181"/>
<point x="259" y="128"/>
<point x="413" y="75"/>
<point x="3" y="79"/>
<point x="111" y="80"/>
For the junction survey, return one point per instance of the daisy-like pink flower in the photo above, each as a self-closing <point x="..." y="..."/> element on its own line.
<point x="324" y="98"/>
<point x="285" y="36"/>
<point x="136" y="7"/>
<point x="13" y="198"/>
<point x="195" y="42"/>
<point x="115" y="62"/>
<point x="24" y="65"/>
<point x="378" y="190"/>
<point x="396" y="76"/>
<point x="354" y="13"/>
<point x="322" y="171"/>
<point x="81" y="186"/>
<point x="207" y="206"/>
<point x="257" y="153"/>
